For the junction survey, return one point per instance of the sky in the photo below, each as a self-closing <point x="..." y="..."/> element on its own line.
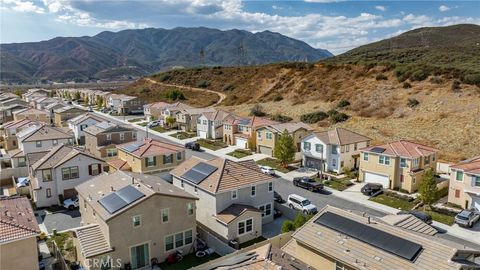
<point x="335" y="25"/>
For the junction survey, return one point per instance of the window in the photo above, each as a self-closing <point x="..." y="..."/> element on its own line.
<point x="334" y="163"/>
<point x="270" y="186"/>
<point x="268" y="135"/>
<point x="415" y="162"/>
<point x="167" y="159"/>
<point x="340" y="266"/>
<point x="94" y="169"/>
<point x="259" y="135"/>
<point x="457" y="193"/>
<point x="384" y="160"/>
<point x="334" y="149"/>
<point x="179" y="156"/>
<point x="134" y="135"/>
<point x="347" y="148"/>
<point x="433" y="157"/>
<point x="245" y="226"/>
<point x="190" y="208"/>
<point x="111" y="152"/>
<point x="341" y="164"/>
<point x="403" y="163"/>
<point x="188" y="237"/>
<point x="179" y="240"/>
<point x="165" y="215"/>
<point x="234" y="194"/>
<point x="182" y="184"/>
<point x="122" y="136"/>
<point x="253" y="191"/>
<point x="266" y="209"/>
<point x="22" y="162"/>
<point x="355" y="147"/>
<point x="168" y="242"/>
<point x="319" y="148"/>
<point x="342" y="148"/>
<point x="476" y="181"/>
<point x="195" y="189"/>
<point x="459" y="176"/>
<point x="136" y="221"/>
<point x="55" y="142"/>
<point x="69" y="173"/>
<point x="365" y="156"/>
<point x="413" y="180"/>
<point x="150" y="161"/>
<point x="427" y="160"/>
<point x="49" y="192"/>
<point x="109" y="137"/>
<point x="38" y="144"/>
<point x="240" y="128"/>
<point x="205" y="122"/>
<point x="306" y="146"/>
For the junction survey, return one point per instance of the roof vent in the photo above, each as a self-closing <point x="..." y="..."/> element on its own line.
<point x="111" y="188"/>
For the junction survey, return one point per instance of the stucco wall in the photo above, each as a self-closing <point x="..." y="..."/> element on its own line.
<point x="19" y="254"/>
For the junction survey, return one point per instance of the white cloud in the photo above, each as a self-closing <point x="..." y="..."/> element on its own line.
<point x="22" y="6"/>
<point x="443" y="8"/>
<point x="381" y="8"/>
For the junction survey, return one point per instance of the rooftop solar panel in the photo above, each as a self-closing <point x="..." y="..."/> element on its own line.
<point x="131" y="148"/>
<point x="390" y="243"/>
<point x="378" y="150"/>
<point x="129" y="194"/>
<point x="112" y="203"/>
<point x="204" y="168"/>
<point x="199" y="172"/>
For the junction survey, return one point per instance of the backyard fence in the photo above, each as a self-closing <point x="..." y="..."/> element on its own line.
<point x="212" y="241"/>
<point x="60" y="263"/>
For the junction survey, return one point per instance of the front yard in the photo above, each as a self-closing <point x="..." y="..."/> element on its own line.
<point x="188" y="262"/>
<point x="133" y="120"/>
<point x="393" y="202"/>
<point x="240" y="153"/>
<point x="338" y="184"/>
<point x="212" y="144"/>
<point x="160" y="129"/>
<point x="182" y="135"/>
<point x="275" y="164"/>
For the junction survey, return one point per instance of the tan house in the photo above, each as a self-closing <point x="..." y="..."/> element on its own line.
<point x="241" y="131"/>
<point x="186" y="119"/>
<point x="18" y="234"/>
<point x="101" y="139"/>
<point x="267" y="136"/>
<point x="464" y="187"/>
<point x="131" y="218"/>
<point x="62" y="115"/>
<point x="32" y="114"/>
<point x="397" y="165"/>
<point x="148" y="156"/>
<point x="9" y="131"/>
<point x="339" y="239"/>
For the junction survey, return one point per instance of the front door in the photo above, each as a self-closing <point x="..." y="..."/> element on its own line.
<point x="140" y="256"/>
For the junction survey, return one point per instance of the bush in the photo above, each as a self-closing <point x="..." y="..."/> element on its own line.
<point x="407" y="85"/>
<point x="174" y="94"/>
<point x="311" y="118"/>
<point x="281" y="118"/>
<point x="145" y="90"/>
<point x="278" y="98"/>
<point x="436" y="80"/>
<point x="419" y="75"/>
<point x="164" y="77"/>
<point x="257" y="110"/>
<point x="412" y="102"/>
<point x="228" y="87"/>
<point x="288" y="226"/>
<point x="343" y="103"/>
<point x="455" y="85"/>
<point x="472" y="79"/>
<point x="381" y="77"/>
<point x="337" y="117"/>
<point x="203" y="84"/>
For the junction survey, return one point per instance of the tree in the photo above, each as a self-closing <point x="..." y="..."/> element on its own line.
<point x="77" y="95"/>
<point x="86" y="100"/>
<point x="285" y="148"/>
<point x="288" y="226"/>
<point x="428" y="188"/>
<point x="99" y="101"/>
<point x="252" y="143"/>
<point x="170" y="120"/>
<point x="299" y="221"/>
<point x="257" y="110"/>
<point x="18" y="92"/>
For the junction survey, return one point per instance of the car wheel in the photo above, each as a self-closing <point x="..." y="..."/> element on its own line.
<point x="311" y="189"/>
<point x="71" y="207"/>
<point x="305" y="212"/>
<point x="295" y="184"/>
<point x="470" y="225"/>
<point x="291" y="206"/>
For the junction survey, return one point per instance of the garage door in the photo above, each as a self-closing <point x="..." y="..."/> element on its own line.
<point x="241" y="142"/>
<point x="476" y="202"/>
<point x="69" y="193"/>
<point x="376" y="178"/>
<point x="266" y="150"/>
<point x="313" y="163"/>
<point x="202" y="134"/>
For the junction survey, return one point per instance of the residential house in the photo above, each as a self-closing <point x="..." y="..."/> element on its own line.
<point x="235" y="198"/>
<point x="50" y="108"/>
<point x="397" y="165"/>
<point x="154" y="110"/>
<point x="267" y="136"/>
<point x="148" y="156"/>
<point x="186" y="119"/>
<point x="62" y="115"/>
<point x="18" y="234"/>
<point x="241" y="131"/>
<point x="333" y="150"/>
<point x="464" y="189"/>
<point x="32" y="114"/>
<point x="35" y="93"/>
<point x="9" y="130"/>
<point x="171" y="110"/>
<point x="101" y="139"/>
<point x="7" y="111"/>
<point x="43" y="102"/>
<point x="131" y="218"/>
<point x="7" y="95"/>
<point x="81" y="122"/>
<point x="124" y="104"/>
<point x="339" y="239"/>
<point x="210" y="124"/>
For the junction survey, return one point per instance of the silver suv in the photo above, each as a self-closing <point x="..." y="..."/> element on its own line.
<point x="298" y="202"/>
<point x="467" y="218"/>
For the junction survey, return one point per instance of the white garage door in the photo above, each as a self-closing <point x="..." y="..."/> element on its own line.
<point x="476" y="202"/>
<point x="376" y="178"/>
<point x="241" y="142"/>
<point x="266" y="150"/>
<point x="202" y="134"/>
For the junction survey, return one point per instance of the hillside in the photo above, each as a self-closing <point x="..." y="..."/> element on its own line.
<point x="132" y="53"/>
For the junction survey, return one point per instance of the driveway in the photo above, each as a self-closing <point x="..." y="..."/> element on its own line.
<point x="60" y="220"/>
<point x="273" y="228"/>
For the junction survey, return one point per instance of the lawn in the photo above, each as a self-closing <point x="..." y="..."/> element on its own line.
<point x="182" y="135"/>
<point x="253" y="241"/>
<point x="160" y="129"/>
<point x="143" y="124"/>
<point x="188" y="262"/>
<point x="442" y="218"/>
<point x="240" y="153"/>
<point x="393" y="202"/>
<point x="274" y="163"/>
<point x="133" y="120"/>
<point x="338" y="184"/>
<point x="212" y="145"/>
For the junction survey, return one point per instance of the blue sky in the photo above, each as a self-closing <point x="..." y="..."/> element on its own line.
<point x="335" y="25"/>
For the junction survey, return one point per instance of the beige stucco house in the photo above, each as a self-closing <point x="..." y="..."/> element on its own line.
<point x="62" y="115"/>
<point x="241" y="131"/>
<point x="32" y="114"/>
<point x="102" y="138"/>
<point x="464" y="189"/>
<point x="397" y="165"/>
<point x="131" y="218"/>
<point x="267" y="136"/>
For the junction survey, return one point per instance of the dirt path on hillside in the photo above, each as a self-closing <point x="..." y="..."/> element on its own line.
<point x="220" y="95"/>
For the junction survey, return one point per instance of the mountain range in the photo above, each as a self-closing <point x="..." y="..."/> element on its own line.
<point x="111" y="55"/>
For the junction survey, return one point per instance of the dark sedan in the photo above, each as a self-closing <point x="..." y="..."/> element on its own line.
<point x="307" y="183"/>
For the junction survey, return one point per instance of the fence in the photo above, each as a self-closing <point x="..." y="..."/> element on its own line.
<point x="60" y="263"/>
<point x="220" y="247"/>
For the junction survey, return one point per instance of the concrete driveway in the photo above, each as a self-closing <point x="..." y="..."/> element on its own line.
<point x="60" y="220"/>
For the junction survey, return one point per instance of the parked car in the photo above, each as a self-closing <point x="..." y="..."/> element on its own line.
<point x="298" y="202"/>
<point x="90" y="109"/>
<point x="371" y="188"/>
<point x="193" y="145"/>
<point x="267" y="170"/>
<point x="307" y="183"/>
<point x="277" y="197"/>
<point x="467" y="218"/>
<point x="152" y="124"/>
<point x="71" y="203"/>
<point x="418" y="214"/>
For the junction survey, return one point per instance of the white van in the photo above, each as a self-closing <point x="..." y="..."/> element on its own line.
<point x="298" y="202"/>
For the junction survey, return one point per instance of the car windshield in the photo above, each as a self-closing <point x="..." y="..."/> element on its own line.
<point x="308" y="180"/>
<point x="305" y="202"/>
<point x="462" y="217"/>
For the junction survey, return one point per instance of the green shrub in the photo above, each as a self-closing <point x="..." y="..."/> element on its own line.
<point x="337" y="117"/>
<point x="164" y="77"/>
<point x="343" y="103"/>
<point x="228" y="87"/>
<point x="412" y="102"/>
<point x="419" y="75"/>
<point x="145" y="90"/>
<point x="174" y="94"/>
<point x="281" y="118"/>
<point x="278" y="98"/>
<point x="381" y="77"/>
<point x="455" y="85"/>
<point x="257" y="110"/>
<point x="472" y="79"/>
<point x="436" y="80"/>
<point x="311" y="118"/>
<point x="203" y="84"/>
<point x="288" y="226"/>
<point x="407" y="85"/>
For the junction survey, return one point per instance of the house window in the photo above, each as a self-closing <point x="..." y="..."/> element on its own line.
<point x="234" y="194"/>
<point x="347" y="148"/>
<point x="150" y="161"/>
<point x="168" y="242"/>
<point x="384" y="160"/>
<point x="433" y="157"/>
<point x="334" y="149"/>
<point x="38" y="144"/>
<point x="476" y="181"/>
<point x="459" y="176"/>
<point x="268" y="135"/>
<point x="179" y="156"/>
<point x="189" y="208"/>
<point x="198" y="121"/>
<point x="205" y="122"/>
<point x="136" y="221"/>
<point x="457" y="193"/>
<point x="306" y="146"/>
<point x="266" y="209"/>
<point x="253" y="191"/>
<point x="109" y="137"/>
<point x="49" y="192"/>
<point x="195" y="189"/>
<point x="403" y="163"/>
<point x="270" y="186"/>
<point x="341" y="164"/>
<point x="245" y="226"/>
<point x="340" y="266"/>
<point x="55" y="142"/>
<point x="122" y="136"/>
<point x="355" y="147"/>
<point x="167" y="159"/>
<point x="415" y="162"/>
<point x="413" y="180"/>
<point x="94" y="169"/>
<point x="134" y="135"/>
<point x="334" y="163"/>
<point x="365" y="156"/>
<point x="342" y="148"/>
<point x="69" y="173"/>
<point x="427" y="160"/>
<point x="188" y="237"/>
<point x="240" y="128"/>
<point x="319" y="148"/>
<point x="111" y="152"/>
<point x="179" y="240"/>
<point x="22" y="162"/>
<point x="165" y="215"/>
<point x="182" y="184"/>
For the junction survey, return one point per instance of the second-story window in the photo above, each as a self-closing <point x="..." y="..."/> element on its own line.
<point x="427" y="160"/>
<point x="270" y="186"/>
<point x="459" y="176"/>
<point x="111" y="152"/>
<point x="268" y="135"/>
<point x="306" y="146"/>
<point x="415" y="162"/>
<point x="109" y="137"/>
<point x="384" y="160"/>
<point x="38" y="144"/>
<point x="403" y="163"/>
<point x="259" y="135"/>
<point x="253" y="191"/>
<point x="476" y="181"/>
<point x="165" y="215"/>
<point x="190" y="208"/>
<point x="94" y="169"/>
<point x="204" y="122"/>
<point x="22" y="162"/>
<point x="134" y="135"/>
<point x="136" y="221"/>
<point x="167" y="159"/>
<point x="334" y="149"/>
<point x="150" y="161"/>
<point x="179" y="156"/>
<point x="47" y="175"/>
<point x="70" y="173"/>
<point x="122" y="136"/>
<point x="318" y="148"/>
<point x="365" y="156"/>
<point x="234" y="194"/>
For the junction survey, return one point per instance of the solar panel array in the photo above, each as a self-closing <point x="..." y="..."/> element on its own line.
<point x="120" y="198"/>
<point x="378" y="150"/>
<point x="132" y="147"/>
<point x="390" y="243"/>
<point x="199" y="172"/>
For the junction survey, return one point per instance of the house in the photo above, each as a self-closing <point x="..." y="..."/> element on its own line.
<point x="161" y="110"/>
<point x="38" y="138"/>
<point x="81" y="122"/>
<point x="186" y="119"/>
<point x="7" y="111"/>
<point x="124" y="104"/>
<point x="35" y="93"/>
<point x="50" y="108"/>
<point x="154" y="110"/>
<point x="101" y="139"/>
<point x="18" y="234"/>
<point x="41" y="103"/>
<point x="333" y="150"/>
<point x="267" y="136"/>
<point x="241" y="131"/>
<point x="62" y="115"/>
<point x="148" y="156"/>
<point x="9" y="130"/>
<point x="464" y="189"/>
<point x="210" y="124"/>
<point x="397" y="165"/>
<point x="340" y="239"/>
<point x="32" y="114"/>
<point x="131" y="218"/>
<point x="235" y="198"/>
<point x="54" y="176"/>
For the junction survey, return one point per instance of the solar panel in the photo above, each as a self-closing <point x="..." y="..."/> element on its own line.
<point x="121" y="198"/>
<point x="131" y="148"/>
<point x="378" y="150"/>
<point x="129" y="194"/>
<point x="390" y="243"/>
<point x="204" y="168"/>
<point x="199" y="172"/>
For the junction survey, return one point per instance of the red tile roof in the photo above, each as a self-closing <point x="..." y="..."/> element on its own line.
<point x="118" y="164"/>
<point x="17" y="219"/>
<point x="469" y="166"/>
<point x="150" y="147"/>
<point x="404" y="148"/>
